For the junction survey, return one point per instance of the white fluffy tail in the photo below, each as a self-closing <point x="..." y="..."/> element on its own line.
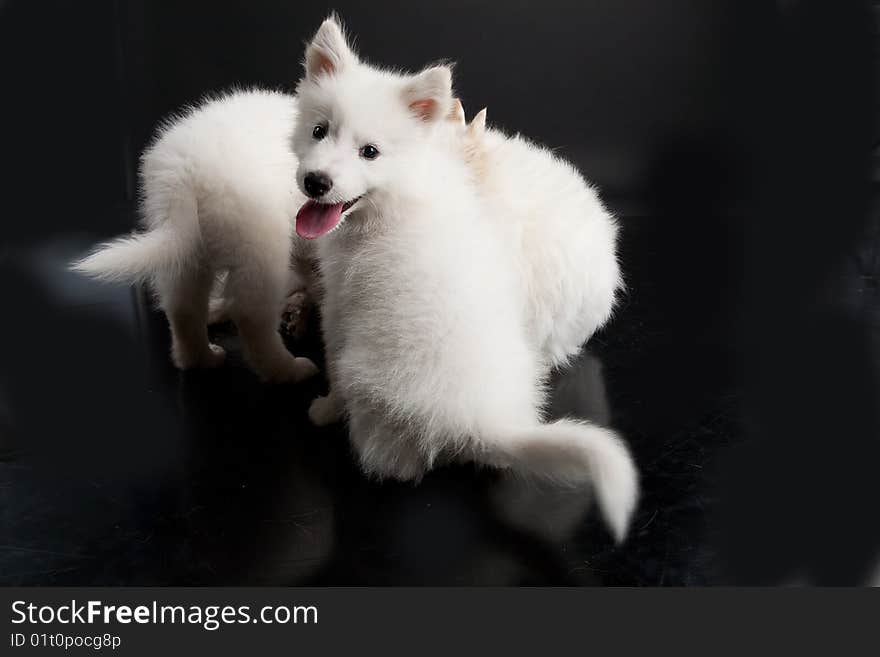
<point x="573" y="453"/>
<point x="170" y="246"/>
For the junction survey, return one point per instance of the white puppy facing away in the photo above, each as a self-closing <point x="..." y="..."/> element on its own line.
<point x="434" y="350"/>
<point x="218" y="197"/>
<point x="564" y="239"/>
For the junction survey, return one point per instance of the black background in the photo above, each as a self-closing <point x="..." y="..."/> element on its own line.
<point x="735" y="141"/>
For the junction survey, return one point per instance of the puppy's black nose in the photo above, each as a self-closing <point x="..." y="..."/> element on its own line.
<point x="317" y="184"/>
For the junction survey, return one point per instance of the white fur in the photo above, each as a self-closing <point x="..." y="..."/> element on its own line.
<point x="565" y="240"/>
<point x="218" y="195"/>
<point x="434" y="348"/>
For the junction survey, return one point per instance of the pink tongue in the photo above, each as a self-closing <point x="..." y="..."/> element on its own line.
<point x="315" y="219"/>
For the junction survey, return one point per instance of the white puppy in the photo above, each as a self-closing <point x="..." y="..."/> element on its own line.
<point x="218" y="198"/>
<point x="565" y="240"/>
<point x="431" y="351"/>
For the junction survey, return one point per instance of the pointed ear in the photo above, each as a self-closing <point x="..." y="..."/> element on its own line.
<point x="429" y="94"/>
<point x="478" y="123"/>
<point x="328" y="53"/>
<point x="456" y="114"/>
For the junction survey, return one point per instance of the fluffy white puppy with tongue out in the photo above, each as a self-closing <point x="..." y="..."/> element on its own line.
<point x="429" y="351"/>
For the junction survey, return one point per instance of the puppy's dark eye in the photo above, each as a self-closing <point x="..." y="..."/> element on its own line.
<point x="319" y="131"/>
<point x="369" y="152"/>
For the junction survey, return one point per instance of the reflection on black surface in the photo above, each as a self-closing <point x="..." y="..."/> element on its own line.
<point x="211" y="477"/>
<point x="117" y="469"/>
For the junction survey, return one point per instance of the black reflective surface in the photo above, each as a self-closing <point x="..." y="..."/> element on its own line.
<point x="120" y="470"/>
<point x="125" y="471"/>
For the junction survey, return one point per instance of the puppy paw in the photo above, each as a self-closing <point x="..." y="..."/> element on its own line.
<point x="295" y="316"/>
<point x="293" y="371"/>
<point x="323" y="411"/>
<point x="304" y="369"/>
<point x="185" y="359"/>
